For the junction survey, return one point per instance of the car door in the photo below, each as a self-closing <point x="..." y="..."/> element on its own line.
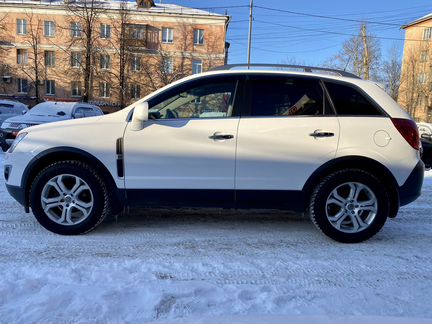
<point x="185" y="154"/>
<point x="288" y="131"/>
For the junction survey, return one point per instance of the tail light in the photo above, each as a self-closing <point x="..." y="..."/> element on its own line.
<point x="408" y="129"/>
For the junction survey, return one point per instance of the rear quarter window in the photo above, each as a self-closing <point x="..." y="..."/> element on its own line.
<point x="349" y="101"/>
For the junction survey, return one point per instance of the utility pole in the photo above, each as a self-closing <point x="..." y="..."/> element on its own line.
<point x="366" y="53"/>
<point x="250" y="31"/>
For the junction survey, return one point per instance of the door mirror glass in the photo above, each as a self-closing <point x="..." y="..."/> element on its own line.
<point x="140" y="115"/>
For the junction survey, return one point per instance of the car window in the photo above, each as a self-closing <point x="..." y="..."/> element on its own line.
<point x="348" y="101"/>
<point x="87" y="112"/>
<point x="286" y="97"/>
<point x="207" y="100"/>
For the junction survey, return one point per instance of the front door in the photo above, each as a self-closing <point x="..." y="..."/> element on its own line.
<point x="185" y="154"/>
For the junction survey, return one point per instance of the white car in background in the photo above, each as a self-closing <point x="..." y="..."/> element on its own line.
<point x="424" y="128"/>
<point x="46" y="112"/>
<point x="318" y="141"/>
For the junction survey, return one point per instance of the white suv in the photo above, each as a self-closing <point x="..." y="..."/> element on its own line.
<point x="319" y="141"/>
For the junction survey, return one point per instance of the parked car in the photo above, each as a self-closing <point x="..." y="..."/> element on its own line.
<point x="9" y="108"/>
<point x="42" y="113"/>
<point x="321" y="141"/>
<point x="424" y="128"/>
<point x="426" y="141"/>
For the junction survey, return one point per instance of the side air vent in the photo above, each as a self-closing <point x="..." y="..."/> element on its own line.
<point x="120" y="157"/>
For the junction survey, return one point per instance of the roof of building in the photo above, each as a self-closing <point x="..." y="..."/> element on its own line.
<point x="163" y="8"/>
<point x="419" y="20"/>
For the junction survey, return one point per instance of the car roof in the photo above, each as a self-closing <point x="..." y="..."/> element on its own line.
<point x="67" y="106"/>
<point x="11" y="102"/>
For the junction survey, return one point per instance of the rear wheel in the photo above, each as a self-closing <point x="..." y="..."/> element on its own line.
<point x="69" y="197"/>
<point x="349" y="206"/>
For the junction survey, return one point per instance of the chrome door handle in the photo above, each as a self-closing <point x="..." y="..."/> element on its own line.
<point x="220" y="136"/>
<point x="320" y="133"/>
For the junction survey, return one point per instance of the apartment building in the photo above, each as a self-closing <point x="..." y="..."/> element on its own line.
<point x="106" y="52"/>
<point x="415" y="92"/>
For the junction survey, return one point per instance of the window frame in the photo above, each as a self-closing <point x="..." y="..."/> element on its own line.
<point x="427" y="33"/>
<point x="238" y="101"/>
<point x="134" y="88"/>
<point x="105" y="93"/>
<point x="105" y="31"/>
<point x="20" y="86"/>
<point x="73" y="60"/>
<point x="199" y="34"/>
<point x="76" y="29"/>
<point x="49" y="28"/>
<point x="51" y="87"/>
<point x="247" y="112"/>
<point x="170" y="32"/>
<point x="76" y="85"/>
<point x="105" y="61"/>
<point x="359" y="90"/>
<point x="136" y="63"/>
<point x="201" y="63"/>
<point x="50" y="58"/>
<point x="22" y="56"/>
<point x="21" y="25"/>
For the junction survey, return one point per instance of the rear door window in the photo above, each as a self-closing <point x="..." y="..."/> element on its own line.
<point x="282" y="96"/>
<point x="349" y="101"/>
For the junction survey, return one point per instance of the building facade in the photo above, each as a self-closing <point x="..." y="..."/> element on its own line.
<point x="415" y="91"/>
<point x="106" y="52"/>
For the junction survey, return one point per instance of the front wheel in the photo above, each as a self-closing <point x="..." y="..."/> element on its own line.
<point x="349" y="206"/>
<point x="69" y="197"/>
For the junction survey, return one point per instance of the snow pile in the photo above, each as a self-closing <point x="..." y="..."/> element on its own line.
<point x="214" y="267"/>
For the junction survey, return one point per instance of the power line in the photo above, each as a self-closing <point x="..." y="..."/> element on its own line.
<point x="331" y="17"/>
<point x="337" y="33"/>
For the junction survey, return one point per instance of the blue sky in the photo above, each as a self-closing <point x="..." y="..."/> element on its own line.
<point x="273" y="43"/>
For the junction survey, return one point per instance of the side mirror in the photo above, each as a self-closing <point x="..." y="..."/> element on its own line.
<point x="61" y="113"/>
<point x="426" y="136"/>
<point x="79" y="115"/>
<point x="140" y="115"/>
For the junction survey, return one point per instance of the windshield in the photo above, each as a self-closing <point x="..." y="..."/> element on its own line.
<point x="48" y="110"/>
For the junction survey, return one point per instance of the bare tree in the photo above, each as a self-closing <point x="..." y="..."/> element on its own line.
<point x="391" y="71"/>
<point x="86" y="16"/>
<point x="360" y="55"/>
<point x="34" y="68"/>
<point x="414" y="90"/>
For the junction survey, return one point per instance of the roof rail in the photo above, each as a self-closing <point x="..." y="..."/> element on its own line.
<point x="304" y="68"/>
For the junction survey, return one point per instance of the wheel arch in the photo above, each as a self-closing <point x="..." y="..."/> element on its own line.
<point x="64" y="153"/>
<point x="357" y="162"/>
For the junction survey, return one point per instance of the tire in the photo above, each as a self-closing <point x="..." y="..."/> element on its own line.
<point x="340" y="215"/>
<point x="69" y="198"/>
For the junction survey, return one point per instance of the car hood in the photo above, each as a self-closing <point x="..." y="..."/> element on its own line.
<point x="35" y="119"/>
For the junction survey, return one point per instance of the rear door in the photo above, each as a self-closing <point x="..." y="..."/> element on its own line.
<point x="287" y="132"/>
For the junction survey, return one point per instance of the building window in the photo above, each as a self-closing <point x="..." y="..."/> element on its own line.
<point x="198" y="36"/>
<point x="135" y="91"/>
<point x="105" y="61"/>
<point x="168" y="65"/>
<point x="22" y="86"/>
<point x="75" y="29"/>
<point x="423" y="56"/>
<point x="136" y="63"/>
<point x="196" y="66"/>
<point x="167" y="35"/>
<point x="49" y="28"/>
<point x="137" y="32"/>
<point x="104" y="90"/>
<point x="21" y="26"/>
<point x="422" y="78"/>
<point x="76" y="59"/>
<point x="427" y="34"/>
<point x="76" y="88"/>
<point x="105" y="31"/>
<point x="22" y="56"/>
<point x="49" y="58"/>
<point x="50" y="87"/>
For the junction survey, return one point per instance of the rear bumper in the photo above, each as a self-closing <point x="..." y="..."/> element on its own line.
<point x="411" y="189"/>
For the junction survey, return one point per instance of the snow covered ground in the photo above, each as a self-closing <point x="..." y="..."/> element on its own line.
<point x="227" y="267"/>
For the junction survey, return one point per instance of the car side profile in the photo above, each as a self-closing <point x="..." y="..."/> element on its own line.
<point x="42" y="113"/>
<point x="310" y="140"/>
<point x="8" y="109"/>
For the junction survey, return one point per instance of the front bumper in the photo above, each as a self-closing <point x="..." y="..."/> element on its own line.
<point x="18" y="193"/>
<point x="411" y="189"/>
